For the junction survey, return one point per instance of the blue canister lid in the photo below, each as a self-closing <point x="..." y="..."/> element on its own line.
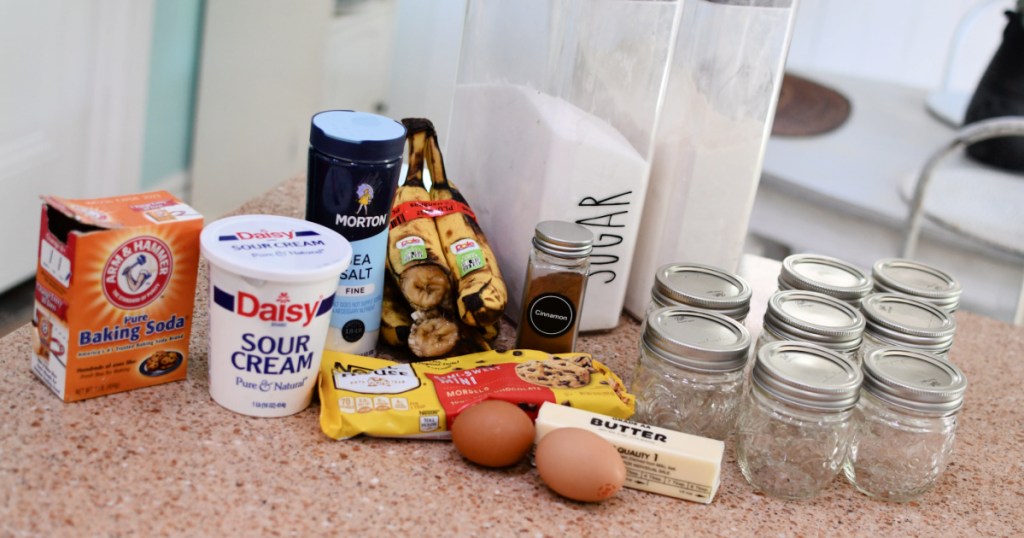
<point x="357" y="136"/>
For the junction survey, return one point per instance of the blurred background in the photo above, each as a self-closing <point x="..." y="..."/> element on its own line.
<point x="211" y="100"/>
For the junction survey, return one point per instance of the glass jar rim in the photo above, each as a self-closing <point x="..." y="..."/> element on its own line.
<point x="696" y="339"/>
<point x="914" y="380"/>
<point x="807" y="375"/>
<point x="668" y="291"/>
<point x="563" y="239"/>
<point x="791" y="277"/>
<point x="785" y="321"/>
<point x="882" y="271"/>
<point x="878" y="310"/>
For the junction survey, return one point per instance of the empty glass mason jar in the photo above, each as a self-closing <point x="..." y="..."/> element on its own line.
<point x="824" y="274"/>
<point x="702" y="287"/>
<point x="807" y="316"/>
<point x="794" y="426"/>
<point x="894" y="275"/>
<point x="690" y="374"/>
<point x="903" y="321"/>
<point x="904" y="423"/>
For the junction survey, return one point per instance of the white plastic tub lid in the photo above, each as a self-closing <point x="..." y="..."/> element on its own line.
<point x="276" y="248"/>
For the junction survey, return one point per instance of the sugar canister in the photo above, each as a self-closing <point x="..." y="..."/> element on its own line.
<point x="930" y="284"/>
<point x="903" y="321"/>
<point x="702" y="287"/>
<point x="824" y="274"/>
<point x="904" y="424"/>
<point x="690" y="373"/>
<point x="794" y="426"/>
<point x="807" y="316"/>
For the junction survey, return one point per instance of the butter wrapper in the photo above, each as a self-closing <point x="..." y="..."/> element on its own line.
<point x="658" y="460"/>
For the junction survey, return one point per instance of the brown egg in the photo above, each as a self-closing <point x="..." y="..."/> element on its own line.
<point x="494" y="433"/>
<point x="580" y="465"/>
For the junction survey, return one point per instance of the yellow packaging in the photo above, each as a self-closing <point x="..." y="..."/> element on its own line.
<point x="115" y="288"/>
<point x="382" y="398"/>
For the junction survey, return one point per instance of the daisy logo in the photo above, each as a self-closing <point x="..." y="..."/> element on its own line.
<point x="137" y="272"/>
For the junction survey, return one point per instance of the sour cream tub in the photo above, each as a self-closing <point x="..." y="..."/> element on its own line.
<point x="272" y="285"/>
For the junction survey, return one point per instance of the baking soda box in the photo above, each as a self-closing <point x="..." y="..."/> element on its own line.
<point x="115" y="288"/>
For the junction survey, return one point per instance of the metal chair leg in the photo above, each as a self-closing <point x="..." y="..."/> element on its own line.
<point x="975" y="132"/>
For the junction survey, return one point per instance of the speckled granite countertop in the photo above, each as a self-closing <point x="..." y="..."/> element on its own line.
<point x="167" y="460"/>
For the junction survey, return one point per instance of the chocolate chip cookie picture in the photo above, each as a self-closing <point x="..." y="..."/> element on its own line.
<point x="582" y="360"/>
<point x="160" y="363"/>
<point x="554" y="373"/>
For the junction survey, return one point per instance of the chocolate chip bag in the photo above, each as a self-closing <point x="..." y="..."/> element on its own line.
<point x="381" y="398"/>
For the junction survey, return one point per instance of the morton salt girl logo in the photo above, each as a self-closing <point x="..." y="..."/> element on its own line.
<point x="137" y="272"/>
<point x="365" y="198"/>
<point x="362" y="219"/>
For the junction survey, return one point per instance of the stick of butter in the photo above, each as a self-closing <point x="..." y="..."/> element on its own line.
<point x="657" y="459"/>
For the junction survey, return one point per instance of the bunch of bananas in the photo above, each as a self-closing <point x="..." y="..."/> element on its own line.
<point x="445" y="293"/>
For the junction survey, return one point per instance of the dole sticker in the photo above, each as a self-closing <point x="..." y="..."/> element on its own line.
<point x="411" y="249"/>
<point x="468" y="256"/>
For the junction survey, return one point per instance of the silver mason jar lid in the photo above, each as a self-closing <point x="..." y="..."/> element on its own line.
<point x="814" y="317"/>
<point x="696" y="339"/>
<point x="894" y="275"/>
<point x="702" y="286"/>
<point x="914" y="381"/>
<point x="563" y="239"/>
<point x="907" y="321"/>
<point x="824" y="274"/>
<point x="807" y="376"/>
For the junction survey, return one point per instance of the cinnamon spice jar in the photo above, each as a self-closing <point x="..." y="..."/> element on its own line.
<point x="556" y="279"/>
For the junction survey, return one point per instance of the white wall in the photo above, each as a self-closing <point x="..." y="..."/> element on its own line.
<point x="425" y="60"/>
<point x="357" y="56"/>
<point x="72" y="110"/>
<point x="902" y="41"/>
<point x="259" y="85"/>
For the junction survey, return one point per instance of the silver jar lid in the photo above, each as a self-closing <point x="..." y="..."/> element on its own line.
<point x="824" y="274"/>
<point x="703" y="287"/>
<point x="696" y="339"/>
<point x="907" y="321"/>
<point x="914" y="381"/>
<point x="894" y="275"/>
<point x="807" y="375"/>
<point x="563" y="239"/>
<point x="814" y="317"/>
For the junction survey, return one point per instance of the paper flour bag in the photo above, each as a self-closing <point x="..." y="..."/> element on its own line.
<point x="552" y="119"/>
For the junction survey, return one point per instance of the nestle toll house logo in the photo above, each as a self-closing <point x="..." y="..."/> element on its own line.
<point x="137" y="272"/>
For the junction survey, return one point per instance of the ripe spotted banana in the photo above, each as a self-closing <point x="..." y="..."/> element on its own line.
<point x="490" y="332"/>
<point x="481" y="292"/>
<point x="396" y="327"/>
<point x="432" y="334"/>
<point x="415" y="258"/>
<point x="395" y="316"/>
<point x="477" y="338"/>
